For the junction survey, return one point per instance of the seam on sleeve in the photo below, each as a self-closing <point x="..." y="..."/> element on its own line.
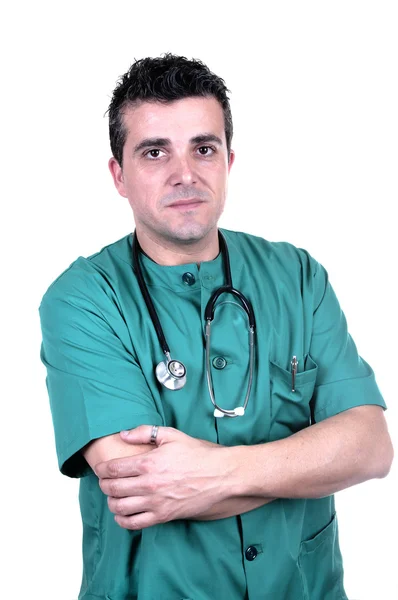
<point x="319" y="416"/>
<point x="319" y="267"/>
<point x="92" y="431"/>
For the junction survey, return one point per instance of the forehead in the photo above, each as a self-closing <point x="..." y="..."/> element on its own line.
<point x="179" y="119"/>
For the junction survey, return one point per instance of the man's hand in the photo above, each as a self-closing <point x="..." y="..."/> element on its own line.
<point x="182" y="478"/>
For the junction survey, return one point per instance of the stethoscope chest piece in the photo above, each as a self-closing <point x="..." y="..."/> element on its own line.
<point x="171" y="373"/>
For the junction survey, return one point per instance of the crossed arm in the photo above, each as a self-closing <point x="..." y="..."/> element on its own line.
<point x="186" y="478"/>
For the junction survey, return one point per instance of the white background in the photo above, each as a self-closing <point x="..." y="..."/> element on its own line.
<point x="314" y="100"/>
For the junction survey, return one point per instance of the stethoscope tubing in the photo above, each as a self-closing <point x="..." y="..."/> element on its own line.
<point x="209" y="316"/>
<point x="148" y="300"/>
<point x="241" y="410"/>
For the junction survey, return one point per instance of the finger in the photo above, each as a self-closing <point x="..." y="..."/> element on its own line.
<point x="139" y="521"/>
<point x="128" y="506"/>
<point x="128" y="466"/>
<point x="127" y="486"/>
<point x="143" y="433"/>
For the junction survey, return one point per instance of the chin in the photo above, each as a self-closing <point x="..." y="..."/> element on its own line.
<point x="189" y="233"/>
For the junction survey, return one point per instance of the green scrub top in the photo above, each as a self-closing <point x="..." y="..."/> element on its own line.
<point x="100" y="350"/>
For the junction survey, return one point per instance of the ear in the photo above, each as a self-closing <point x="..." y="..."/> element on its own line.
<point x="231" y="160"/>
<point x="117" y="174"/>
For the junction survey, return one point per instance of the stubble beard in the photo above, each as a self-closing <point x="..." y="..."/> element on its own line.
<point x="184" y="234"/>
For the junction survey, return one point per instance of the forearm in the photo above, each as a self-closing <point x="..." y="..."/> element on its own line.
<point x="230" y="507"/>
<point x="188" y="478"/>
<point x="111" y="447"/>
<point x="337" y="453"/>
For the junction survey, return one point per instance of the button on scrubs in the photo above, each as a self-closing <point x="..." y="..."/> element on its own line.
<point x="100" y="350"/>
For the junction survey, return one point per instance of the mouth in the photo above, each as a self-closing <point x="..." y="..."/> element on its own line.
<point x="186" y="204"/>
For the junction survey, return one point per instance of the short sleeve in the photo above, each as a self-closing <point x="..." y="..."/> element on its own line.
<point x="344" y="379"/>
<point x="95" y="385"/>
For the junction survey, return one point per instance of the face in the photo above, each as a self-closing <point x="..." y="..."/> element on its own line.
<point x="175" y="168"/>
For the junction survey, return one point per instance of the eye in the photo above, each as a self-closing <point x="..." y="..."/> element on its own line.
<point x="153" y="154"/>
<point x="206" y="150"/>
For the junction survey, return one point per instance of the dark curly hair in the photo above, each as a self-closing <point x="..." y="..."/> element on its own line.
<point x="164" y="79"/>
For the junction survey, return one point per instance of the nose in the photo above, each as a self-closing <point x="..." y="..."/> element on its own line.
<point x="183" y="171"/>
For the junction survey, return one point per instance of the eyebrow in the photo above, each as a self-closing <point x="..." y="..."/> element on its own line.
<point x="206" y="137"/>
<point x="164" y="142"/>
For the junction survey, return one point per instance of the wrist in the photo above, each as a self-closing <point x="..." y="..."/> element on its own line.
<point x="241" y="477"/>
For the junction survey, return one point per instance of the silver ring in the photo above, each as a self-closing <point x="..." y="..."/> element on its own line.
<point x="154" y="434"/>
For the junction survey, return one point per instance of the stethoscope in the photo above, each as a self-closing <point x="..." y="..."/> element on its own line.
<point x="172" y="373"/>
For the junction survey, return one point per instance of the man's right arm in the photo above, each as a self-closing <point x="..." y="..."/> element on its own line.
<point x="110" y="447"/>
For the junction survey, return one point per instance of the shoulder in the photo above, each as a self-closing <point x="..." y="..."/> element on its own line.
<point x="282" y="264"/>
<point x="282" y="256"/>
<point x="90" y="277"/>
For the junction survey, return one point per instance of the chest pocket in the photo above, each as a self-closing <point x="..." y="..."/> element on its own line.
<point x="291" y="411"/>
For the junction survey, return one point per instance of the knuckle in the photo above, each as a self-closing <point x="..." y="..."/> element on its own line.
<point x="113" y="488"/>
<point x="113" y="469"/>
<point x="163" y="516"/>
<point x="117" y="507"/>
<point x="147" y="466"/>
<point x="130" y="524"/>
<point x="152" y="487"/>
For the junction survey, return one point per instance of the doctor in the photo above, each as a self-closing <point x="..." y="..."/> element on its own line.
<point x="180" y="499"/>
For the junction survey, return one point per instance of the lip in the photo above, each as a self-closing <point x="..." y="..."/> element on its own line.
<point x="190" y="203"/>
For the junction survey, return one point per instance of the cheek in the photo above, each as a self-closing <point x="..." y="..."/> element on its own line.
<point x="222" y="183"/>
<point x="143" y="183"/>
<point x="145" y="193"/>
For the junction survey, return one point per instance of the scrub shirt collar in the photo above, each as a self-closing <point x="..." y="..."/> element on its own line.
<point x="188" y="277"/>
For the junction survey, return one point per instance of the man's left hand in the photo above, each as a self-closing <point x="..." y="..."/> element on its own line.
<point x="180" y="478"/>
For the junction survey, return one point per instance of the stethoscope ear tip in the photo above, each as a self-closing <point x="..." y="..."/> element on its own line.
<point x="217" y="413"/>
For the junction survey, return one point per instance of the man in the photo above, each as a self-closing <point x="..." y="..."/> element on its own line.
<point x="190" y="502"/>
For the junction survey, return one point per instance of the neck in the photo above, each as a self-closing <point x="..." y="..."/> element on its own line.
<point x="168" y="253"/>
